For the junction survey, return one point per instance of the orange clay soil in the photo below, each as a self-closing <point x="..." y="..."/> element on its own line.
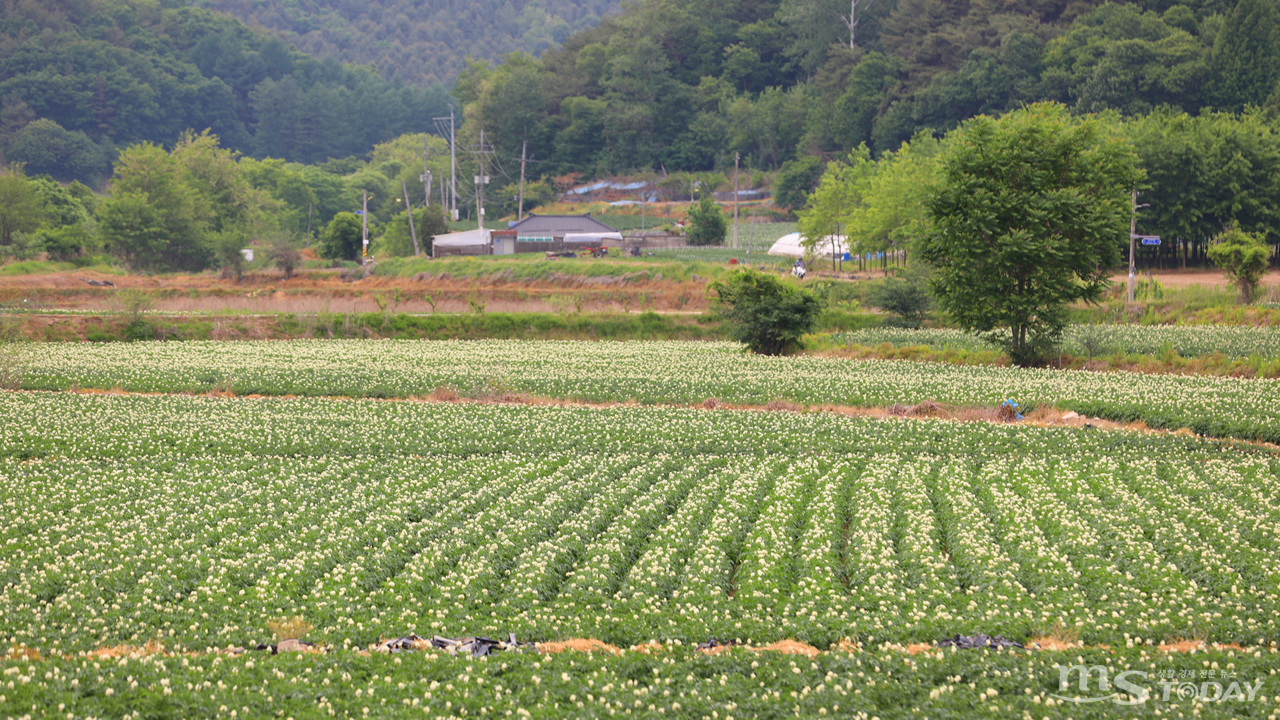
<point x="792" y="647"/>
<point x="787" y="647"/>
<point x="152" y="647"/>
<point x="1189" y="277"/>
<point x="1197" y="646"/>
<point x="580" y="644"/>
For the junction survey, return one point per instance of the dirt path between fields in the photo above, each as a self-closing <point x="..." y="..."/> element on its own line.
<point x="1193" y="276"/>
<point x="1041" y="417"/>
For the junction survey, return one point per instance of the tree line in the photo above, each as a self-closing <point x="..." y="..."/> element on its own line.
<point x="1199" y="176"/>
<point x="195" y="205"/>
<point x="1015" y="218"/>
<point x="670" y="85"/>
<point x="419" y="43"/>
<point x="82" y="79"/>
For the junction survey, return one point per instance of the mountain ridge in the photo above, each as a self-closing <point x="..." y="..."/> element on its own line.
<point x="421" y="43"/>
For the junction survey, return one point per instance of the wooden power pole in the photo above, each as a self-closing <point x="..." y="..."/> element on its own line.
<point x="520" y="205"/>
<point x="735" y="201"/>
<point x="364" y="226"/>
<point x="409" y="207"/>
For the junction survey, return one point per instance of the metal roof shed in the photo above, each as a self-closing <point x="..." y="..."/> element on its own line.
<point x="558" y="226"/>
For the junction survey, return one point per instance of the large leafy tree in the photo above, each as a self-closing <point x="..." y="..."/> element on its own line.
<point x="1028" y="215"/>
<point x="22" y="209"/>
<point x="767" y="314"/>
<point x="878" y="206"/>
<point x="154" y="220"/>
<point x="45" y="147"/>
<point x="167" y="209"/>
<point x="341" y="240"/>
<point x="797" y="179"/>
<point x="706" y="223"/>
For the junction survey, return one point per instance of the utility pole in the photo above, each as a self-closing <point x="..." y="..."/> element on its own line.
<point x="482" y="179"/>
<point x="644" y="201"/>
<point x="309" y="206"/>
<point x="1133" y="240"/>
<point x="520" y="205"/>
<point x="441" y="124"/>
<point x="453" y="163"/>
<point x="833" y="248"/>
<point x="735" y="201"/>
<point x="426" y="172"/>
<point x="408" y="206"/>
<point x="364" y="226"/>
<point x="846" y="244"/>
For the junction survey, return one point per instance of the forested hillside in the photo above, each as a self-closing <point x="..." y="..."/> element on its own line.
<point x="82" y="79"/>
<point x="418" y="42"/>
<point x="684" y="84"/>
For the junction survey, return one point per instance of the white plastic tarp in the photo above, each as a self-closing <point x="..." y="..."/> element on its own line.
<point x="466" y="238"/>
<point x="790" y="246"/>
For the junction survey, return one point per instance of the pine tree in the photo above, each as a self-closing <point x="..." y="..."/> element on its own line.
<point x="1246" y="56"/>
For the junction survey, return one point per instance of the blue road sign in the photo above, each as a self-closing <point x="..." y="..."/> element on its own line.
<point x="1150" y="241"/>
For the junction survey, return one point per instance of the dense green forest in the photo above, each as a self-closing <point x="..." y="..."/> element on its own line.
<point x="422" y="43"/>
<point x="82" y="79"/>
<point x="685" y="84"/>
<point x="196" y="204"/>
<point x="219" y="135"/>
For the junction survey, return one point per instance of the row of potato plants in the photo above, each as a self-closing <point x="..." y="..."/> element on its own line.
<point x="647" y="372"/>
<point x="663" y="681"/>
<point x="1233" y="341"/>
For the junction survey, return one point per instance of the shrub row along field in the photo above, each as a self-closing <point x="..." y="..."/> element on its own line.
<point x="195" y="520"/>
<point x="1092" y="340"/>
<point x="647" y="372"/>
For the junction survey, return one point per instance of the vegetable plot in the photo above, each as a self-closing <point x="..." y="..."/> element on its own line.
<point x="648" y="372"/>
<point x="195" y="521"/>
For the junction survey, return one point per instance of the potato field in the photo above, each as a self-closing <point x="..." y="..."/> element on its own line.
<point x="648" y="373"/>
<point x="190" y="524"/>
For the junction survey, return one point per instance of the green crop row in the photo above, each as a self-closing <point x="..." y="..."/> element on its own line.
<point x="647" y="372"/>
<point x="1233" y="341"/>
<point x="671" y="682"/>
